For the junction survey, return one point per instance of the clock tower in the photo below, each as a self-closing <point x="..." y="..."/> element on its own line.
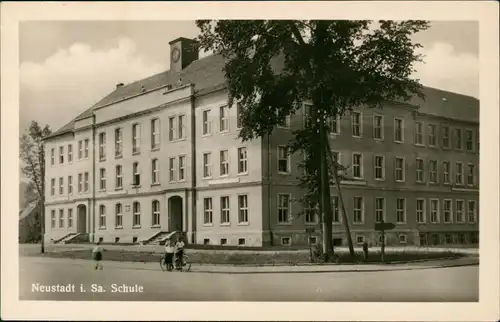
<point x="183" y="52"/>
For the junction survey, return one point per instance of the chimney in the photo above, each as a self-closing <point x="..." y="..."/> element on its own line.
<point x="119" y="85"/>
<point x="183" y="51"/>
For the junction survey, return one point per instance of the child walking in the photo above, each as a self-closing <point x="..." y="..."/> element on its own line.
<point x="97" y="255"/>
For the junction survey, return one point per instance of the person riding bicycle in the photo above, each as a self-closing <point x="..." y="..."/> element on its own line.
<point x="179" y="251"/>
<point x="169" y="253"/>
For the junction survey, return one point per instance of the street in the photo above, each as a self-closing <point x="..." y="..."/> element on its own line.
<point x="132" y="282"/>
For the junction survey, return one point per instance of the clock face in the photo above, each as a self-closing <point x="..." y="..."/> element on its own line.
<point x="176" y="54"/>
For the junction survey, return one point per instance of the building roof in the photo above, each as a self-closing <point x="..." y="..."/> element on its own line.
<point x="28" y="210"/>
<point x="207" y="74"/>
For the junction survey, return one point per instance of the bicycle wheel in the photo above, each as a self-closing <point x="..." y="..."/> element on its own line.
<point x="163" y="265"/>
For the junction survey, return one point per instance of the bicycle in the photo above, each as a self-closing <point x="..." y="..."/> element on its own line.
<point x="170" y="266"/>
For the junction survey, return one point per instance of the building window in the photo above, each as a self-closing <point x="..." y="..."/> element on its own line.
<point x="431" y="135"/>
<point x="241" y="241"/>
<point x="446" y="136"/>
<point x="61" y="186"/>
<point x="119" y="177"/>
<point x="471" y="213"/>
<point x="86" y="182"/>
<point x="224" y="210"/>
<point x="284" y="123"/>
<point x="449" y="238"/>
<point x="470" y="174"/>
<point x="61" y="155"/>
<point x="242" y="160"/>
<point x="52" y="156"/>
<point x="447" y="211"/>
<point x="86" y="149"/>
<point x="360" y="239"/>
<point x="137" y="214"/>
<point x="80" y="182"/>
<point x="171" y="169"/>
<point x="70" y="153"/>
<point x="239" y="115"/>
<point x="80" y="150"/>
<point x="420" y="211"/>
<point x="459" y="211"/>
<point x="358" y="210"/>
<point x="181" y="127"/>
<point x="357" y="130"/>
<point x="102" y="179"/>
<point x="310" y="214"/>
<point x="419" y="135"/>
<point x="378" y="127"/>
<point x="70" y="218"/>
<point x="155" y="218"/>
<point x="207" y="165"/>
<point x="118" y="143"/>
<point x="286" y="241"/>
<point x="102" y="146"/>
<point x="207" y="123"/>
<point x="283" y="160"/>
<point x="433" y="175"/>
<point x="398" y="130"/>
<point x="458" y="139"/>
<point x="171" y="128"/>
<point x="334" y="125"/>
<point x="306" y="113"/>
<point x="136" y="175"/>
<point x="52" y="219"/>
<point x="461" y="238"/>
<point x="136" y="138"/>
<point x="402" y="239"/>
<point x="102" y="216"/>
<point x="155" y="133"/>
<point x="357" y="165"/>
<point x="446" y="172"/>
<point x="283" y="208"/>
<point x="434" y="211"/>
<point x="470" y="141"/>
<point x="379" y="209"/>
<point x="70" y="185"/>
<point x="207" y="211"/>
<point x="61" y="218"/>
<point x="118" y="215"/>
<point x="400" y="171"/>
<point x="224" y="163"/>
<point x="336" y="209"/>
<point x="155" y="171"/>
<point x="223" y="241"/>
<point x="459" y="173"/>
<point x="182" y="168"/>
<point x="223" y="119"/>
<point x="242" y="209"/>
<point x="400" y="210"/>
<point x="379" y="167"/>
<point x="420" y="170"/>
<point x="313" y="240"/>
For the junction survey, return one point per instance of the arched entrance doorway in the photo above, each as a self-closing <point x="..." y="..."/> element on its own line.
<point x="81" y="223"/>
<point x="175" y="214"/>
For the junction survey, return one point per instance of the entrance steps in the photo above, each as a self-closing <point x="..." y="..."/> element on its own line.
<point x="65" y="238"/>
<point x="160" y="238"/>
<point x="77" y="238"/>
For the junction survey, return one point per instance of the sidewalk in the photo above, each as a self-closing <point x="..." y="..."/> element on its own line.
<point x="305" y="268"/>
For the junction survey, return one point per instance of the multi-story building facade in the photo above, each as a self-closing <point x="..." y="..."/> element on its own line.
<point x="162" y="154"/>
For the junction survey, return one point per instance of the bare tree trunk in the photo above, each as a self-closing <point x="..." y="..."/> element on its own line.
<point x="325" y="195"/>
<point x="42" y="225"/>
<point x="341" y="199"/>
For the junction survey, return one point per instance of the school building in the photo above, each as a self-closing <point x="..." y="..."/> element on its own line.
<point x="162" y="154"/>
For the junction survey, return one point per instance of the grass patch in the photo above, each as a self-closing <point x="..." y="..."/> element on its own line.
<point x="242" y="258"/>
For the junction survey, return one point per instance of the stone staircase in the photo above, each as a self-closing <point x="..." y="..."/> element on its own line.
<point x="161" y="237"/>
<point x="63" y="239"/>
<point x="79" y="238"/>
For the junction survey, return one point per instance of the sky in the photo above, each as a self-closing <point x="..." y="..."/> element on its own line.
<point x="67" y="66"/>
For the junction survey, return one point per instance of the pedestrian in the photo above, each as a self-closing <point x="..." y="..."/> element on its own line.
<point x="169" y="254"/>
<point x="179" y="249"/>
<point x="365" y="251"/>
<point x="97" y="255"/>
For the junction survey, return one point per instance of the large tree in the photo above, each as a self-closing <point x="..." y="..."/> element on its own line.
<point x="32" y="155"/>
<point x="273" y="66"/>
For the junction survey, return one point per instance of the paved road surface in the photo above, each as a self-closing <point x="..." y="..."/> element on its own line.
<point x="441" y="284"/>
